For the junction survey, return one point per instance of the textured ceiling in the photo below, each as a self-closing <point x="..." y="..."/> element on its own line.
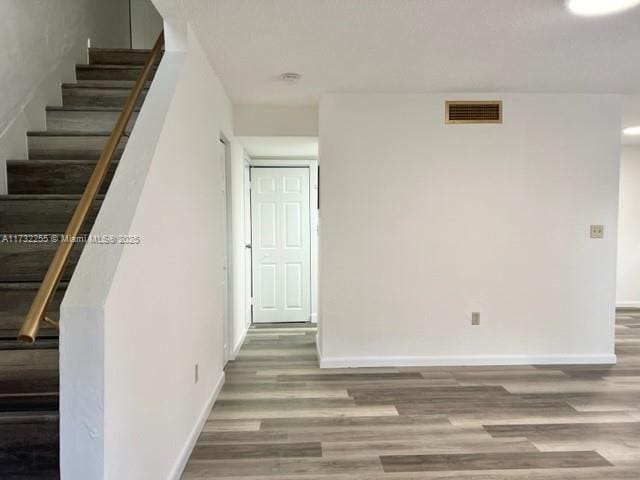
<point x="412" y="46"/>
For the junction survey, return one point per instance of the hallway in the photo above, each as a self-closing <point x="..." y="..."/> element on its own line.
<point x="280" y="417"/>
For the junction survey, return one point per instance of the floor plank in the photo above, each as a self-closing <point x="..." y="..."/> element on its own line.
<point x="492" y="461"/>
<point x="279" y="417"/>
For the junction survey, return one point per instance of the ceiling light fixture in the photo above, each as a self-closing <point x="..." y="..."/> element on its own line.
<point x="600" y="7"/>
<point x="632" y="131"/>
<point x="292" y="77"/>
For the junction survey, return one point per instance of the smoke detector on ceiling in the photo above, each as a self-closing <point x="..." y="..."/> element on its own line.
<point x="290" y="77"/>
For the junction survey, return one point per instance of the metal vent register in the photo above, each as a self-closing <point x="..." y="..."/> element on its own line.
<point x="474" y="112"/>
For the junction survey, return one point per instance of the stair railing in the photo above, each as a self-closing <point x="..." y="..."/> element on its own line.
<point x="40" y="305"/>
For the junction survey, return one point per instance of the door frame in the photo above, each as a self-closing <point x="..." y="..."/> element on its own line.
<point x="228" y="330"/>
<point x="314" y="218"/>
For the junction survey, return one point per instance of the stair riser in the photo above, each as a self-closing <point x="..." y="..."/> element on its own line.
<point x="41" y="216"/>
<point x="69" y="147"/>
<point x="28" y="262"/>
<point x="30" y="381"/>
<point x="115" y="57"/>
<point x="97" y="97"/>
<point x="29" y="451"/>
<point x="47" y="178"/>
<point x="85" y="121"/>
<point x="14" y="306"/>
<point x="129" y="84"/>
<point x="91" y="73"/>
<point x="33" y="403"/>
<point x="17" y="360"/>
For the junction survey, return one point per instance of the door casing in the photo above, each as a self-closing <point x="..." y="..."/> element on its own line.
<point x="312" y="164"/>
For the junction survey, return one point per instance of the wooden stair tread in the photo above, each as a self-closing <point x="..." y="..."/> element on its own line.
<point x="65" y="133"/>
<point x="44" y="196"/>
<point x="88" y="108"/>
<point x="54" y="161"/>
<point x="120" y="50"/>
<point x="12" y="286"/>
<point x="45" y="416"/>
<point x="101" y="66"/>
<point x="54" y="176"/>
<point x="28" y="262"/>
<point x="106" y="84"/>
<point x="45" y="342"/>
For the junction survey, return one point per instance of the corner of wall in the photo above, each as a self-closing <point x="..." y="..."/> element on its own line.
<point x="238" y="346"/>
<point x="82" y="403"/>
<point x="176" y="36"/>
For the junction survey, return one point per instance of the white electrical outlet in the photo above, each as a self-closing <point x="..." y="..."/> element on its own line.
<point x="475" y="318"/>
<point x="597" y="231"/>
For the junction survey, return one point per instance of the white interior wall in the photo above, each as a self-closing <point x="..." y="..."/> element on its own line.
<point x="423" y="223"/>
<point x="138" y="318"/>
<point x="146" y="24"/>
<point x="275" y="121"/>
<point x="41" y="43"/>
<point x="628" y="292"/>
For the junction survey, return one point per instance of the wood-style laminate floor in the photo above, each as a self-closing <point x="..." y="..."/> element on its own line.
<point x="280" y="417"/>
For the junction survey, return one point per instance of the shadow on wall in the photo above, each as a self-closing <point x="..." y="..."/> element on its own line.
<point x="146" y="24"/>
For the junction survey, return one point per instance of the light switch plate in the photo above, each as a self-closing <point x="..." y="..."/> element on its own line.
<point x="597" y="231"/>
<point x="475" y="318"/>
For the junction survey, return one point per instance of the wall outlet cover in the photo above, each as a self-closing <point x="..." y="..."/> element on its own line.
<point x="475" y="318"/>
<point x="597" y="231"/>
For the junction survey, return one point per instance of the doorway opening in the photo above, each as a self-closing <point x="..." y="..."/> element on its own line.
<point x="282" y="240"/>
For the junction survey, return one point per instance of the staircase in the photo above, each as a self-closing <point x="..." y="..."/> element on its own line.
<point x="43" y="193"/>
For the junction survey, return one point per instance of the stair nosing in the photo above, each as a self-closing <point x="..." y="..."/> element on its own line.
<point x="83" y="108"/>
<point x="70" y="133"/>
<point x="109" y="66"/>
<point x="86" y="84"/>
<point x="13" y="286"/>
<point x="43" y="343"/>
<point x="44" y="196"/>
<point x="29" y="417"/>
<point x="54" y="161"/>
<point x="119" y="50"/>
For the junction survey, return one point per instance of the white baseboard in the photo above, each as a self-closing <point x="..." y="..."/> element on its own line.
<point x="236" y="349"/>
<point x="185" y="453"/>
<point x="631" y="304"/>
<point x="449" y="361"/>
<point x="318" y="351"/>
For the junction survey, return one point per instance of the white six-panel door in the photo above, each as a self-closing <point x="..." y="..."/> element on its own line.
<point x="281" y="245"/>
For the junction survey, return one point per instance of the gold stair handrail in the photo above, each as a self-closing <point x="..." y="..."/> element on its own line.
<point x="49" y="285"/>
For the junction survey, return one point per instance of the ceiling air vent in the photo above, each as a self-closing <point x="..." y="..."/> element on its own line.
<point x="474" y="112"/>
